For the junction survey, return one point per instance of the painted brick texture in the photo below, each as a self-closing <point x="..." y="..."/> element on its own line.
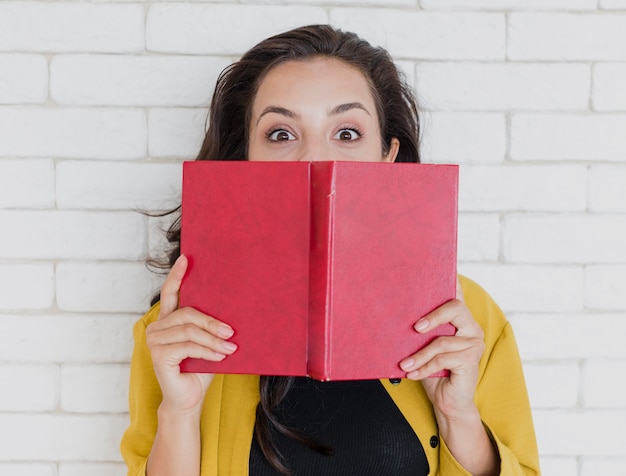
<point x="100" y="101"/>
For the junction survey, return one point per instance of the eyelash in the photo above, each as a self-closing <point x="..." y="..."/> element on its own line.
<point x="353" y="129"/>
<point x="272" y="131"/>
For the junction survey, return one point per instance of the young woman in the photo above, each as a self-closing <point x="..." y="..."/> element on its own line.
<point x="316" y="93"/>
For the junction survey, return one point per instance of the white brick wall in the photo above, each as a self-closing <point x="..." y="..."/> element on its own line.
<point x="101" y="100"/>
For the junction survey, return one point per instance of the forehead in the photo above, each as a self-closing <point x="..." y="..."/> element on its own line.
<point x="322" y="78"/>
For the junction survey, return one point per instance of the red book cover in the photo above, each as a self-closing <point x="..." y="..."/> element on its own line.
<point x="322" y="268"/>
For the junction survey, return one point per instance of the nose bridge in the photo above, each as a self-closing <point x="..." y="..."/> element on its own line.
<point x="313" y="149"/>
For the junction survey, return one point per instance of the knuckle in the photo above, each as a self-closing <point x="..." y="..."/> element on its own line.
<point x="188" y="331"/>
<point x="481" y="346"/>
<point x="150" y="331"/>
<point x="439" y="344"/>
<point x="457" y="304"/>
<point x="438" y="361"/>
<point x="213" y="325"/>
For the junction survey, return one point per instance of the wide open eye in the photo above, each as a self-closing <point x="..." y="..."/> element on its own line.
<point x="347" y="134"/>
<point x="280" y="135"/>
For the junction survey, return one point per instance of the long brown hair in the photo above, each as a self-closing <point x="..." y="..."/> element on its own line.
<point x="227" y="139"/>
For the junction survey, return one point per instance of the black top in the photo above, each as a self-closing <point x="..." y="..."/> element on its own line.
<point x="357" y="419"/>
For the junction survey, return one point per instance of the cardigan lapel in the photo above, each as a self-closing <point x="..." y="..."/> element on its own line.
<point x="410" y="397"/>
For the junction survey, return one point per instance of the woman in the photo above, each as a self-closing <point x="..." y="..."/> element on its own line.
<point x="309" y="94"/>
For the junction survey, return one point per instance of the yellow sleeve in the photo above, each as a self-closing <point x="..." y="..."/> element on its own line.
<point x="501" y="394"/>
<point x="144" y="399"/>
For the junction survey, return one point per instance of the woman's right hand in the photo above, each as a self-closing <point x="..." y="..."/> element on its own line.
<point x="181" y="333"/>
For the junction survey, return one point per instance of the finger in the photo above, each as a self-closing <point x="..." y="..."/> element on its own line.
<point x="442" y="346"/>
<point x="171" y="287"/>
<point x="189" y="315"/>
<point x="173" y="354"/>
<point x="188" y="332"/>
<point x="459" y="363"/>
<point x="454" y="312"/>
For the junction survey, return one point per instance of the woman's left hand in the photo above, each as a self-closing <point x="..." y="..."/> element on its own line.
<point x="451" y="396"/>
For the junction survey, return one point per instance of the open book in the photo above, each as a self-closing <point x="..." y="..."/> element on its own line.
<point x="321" y="268"/>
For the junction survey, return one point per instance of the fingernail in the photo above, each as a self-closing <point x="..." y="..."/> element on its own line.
<point x="229" y="347"/>
<point x="407" y="364"/>
<point x="225" y="332"/>
<point x="413" y="375"/>
<point x="421" y="325"/>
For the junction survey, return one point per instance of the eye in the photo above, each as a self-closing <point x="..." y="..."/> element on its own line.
<point x="347" y="134"/>
<point x="280" y="135"/>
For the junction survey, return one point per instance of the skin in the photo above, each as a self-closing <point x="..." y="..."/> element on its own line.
<point x="319" y="109"/>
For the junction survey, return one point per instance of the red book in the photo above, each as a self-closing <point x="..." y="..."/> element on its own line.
<point x="321" y="268"/>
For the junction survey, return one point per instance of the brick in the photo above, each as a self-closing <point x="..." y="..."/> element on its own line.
<point x="176" y="132"/>
<point x="478" y="237"/>
<point x="604" y="384"/>
<point x="28" y="469"/>
<point x="606" y="188"/>
<point x="410" y="34"/>
<point x="100" y="338"/>
<point x="594" y="466"/>
<point x="567" y="433"/>
<point x="104" y="287"/>
<point x="566" y="335"/>
<point x="26" y="183"/>
<point x="568" y="137"/>
<point x="478" y="137"/>
<point x="613" y="4"/>
<point x="34" y="388"/>
<point x="26" y="286"/>
<point x="73" y="133"/>
<point x="559" y="466"/>
<point x="134" y="80"/>
<point x="528" y="187"/>
<point x="73" y="235"/>
<point x="530" y="288"/>
<point x="382" y="3"/>
<point x="553" y="385"/>
<point x="23" y="79"/>
<point x="92" y="469"/>
<point x="557" y="36"/>
<point x="71" y="27"/>
<point x="605" y="287"/>
<point x="564" y="238"/>
<point x="117" y="185"/>
<point x="608" y="91"/>
<point x="500" y="5"/>
<point x="221" y="29"/>
<point x="61" y="437"/>
<point x="94" y="388"/>
<point x="504" y="86"/>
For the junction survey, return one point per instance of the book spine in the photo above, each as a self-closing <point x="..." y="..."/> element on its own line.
<point x="322" y="193"/>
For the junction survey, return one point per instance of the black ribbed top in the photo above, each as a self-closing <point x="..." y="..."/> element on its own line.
<point x="357" y="419"/>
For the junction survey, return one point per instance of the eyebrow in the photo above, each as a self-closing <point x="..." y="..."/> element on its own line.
<point x="346" y="107"/>
<point x="333" y="112"/>
<point x="277" y="110"/>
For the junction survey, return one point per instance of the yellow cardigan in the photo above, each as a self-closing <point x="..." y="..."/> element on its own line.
<point x="229" y="409"/>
